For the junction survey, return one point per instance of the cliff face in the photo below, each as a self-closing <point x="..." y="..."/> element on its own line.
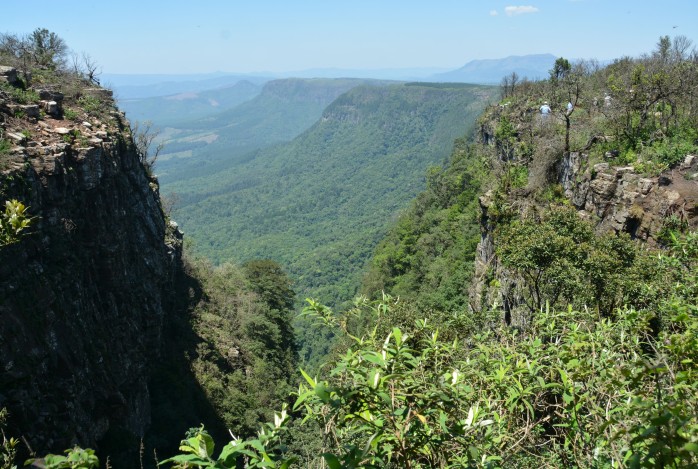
<point x="84" y="296"/>
<point x="613" y="198"/>
<point x="619" y="199"/>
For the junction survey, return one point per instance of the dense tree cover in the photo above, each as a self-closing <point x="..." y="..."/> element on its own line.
<point x="246" y="356"/>
<point x="427" y="256"/>
<point x="562" y="262"/>
<point x="319" y="204"/>
<point x="573" y="389"/>
<point x="283" y="109"/>
<point x="229" y="360"/>
<point x="602" y="371"/>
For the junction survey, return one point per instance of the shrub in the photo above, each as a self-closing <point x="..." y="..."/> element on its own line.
<point x="70" y="114"/>
<point x="92" y="105"/>
<point x="670" y="152"/>
<point x="5" y="146"/>
<point x="13" y="222"/>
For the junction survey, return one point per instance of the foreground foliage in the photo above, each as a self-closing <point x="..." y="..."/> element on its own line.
<point x="575" y="389"/>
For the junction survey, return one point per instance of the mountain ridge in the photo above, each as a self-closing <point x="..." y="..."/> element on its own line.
<point x="384" y="134"/>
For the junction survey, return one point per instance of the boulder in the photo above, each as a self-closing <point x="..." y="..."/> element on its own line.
<point x="603" y="188"/>
<point x="19" y="139"/>
<point x="8" y="74"/>
<point x="645" y="185"/>
<point x="100" y="93"/>
<point x="49" y="95"/>
<point x="31" y="110"/>
<point x="52" y="108"/>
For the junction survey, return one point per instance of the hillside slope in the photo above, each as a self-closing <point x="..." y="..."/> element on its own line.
<point x="281" y="111"/>
<point x="627" y="169"/>
<point x="110" y="338"/>
<point x="319" y="204"/>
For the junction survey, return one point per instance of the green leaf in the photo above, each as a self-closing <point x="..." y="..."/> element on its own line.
<point x="322" y="393"/>
<point x="256" y="444"/>
<point x="287" y="463"/>
<point x="332" y="461"/>
<point x="374" y="358"/>
<point x="691" y="447"/>
<point x="186" y="458"/>
<point x="398" y="336"/>
<point x="310" y="380"/>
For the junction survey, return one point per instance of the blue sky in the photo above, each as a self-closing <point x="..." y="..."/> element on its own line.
<point x="174" y="36"/>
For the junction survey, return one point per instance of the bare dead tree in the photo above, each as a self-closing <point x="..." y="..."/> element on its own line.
<point x="90" y="68"/>
<point x="508" y="84"/>
<point x="144" y="135"/>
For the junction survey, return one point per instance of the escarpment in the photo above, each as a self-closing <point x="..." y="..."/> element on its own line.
<point x="646" y="201"/>
<point x="85" y="292"/>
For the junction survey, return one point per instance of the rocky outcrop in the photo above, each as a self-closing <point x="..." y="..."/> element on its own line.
<point x="84" y="296"/>
<point x="617" y="198"/>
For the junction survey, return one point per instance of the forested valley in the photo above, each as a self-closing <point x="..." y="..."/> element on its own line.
<point x="411" y="275"/>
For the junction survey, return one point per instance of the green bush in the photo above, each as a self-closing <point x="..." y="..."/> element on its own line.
<point x="670" y="152"/>
<point x="572" y="389"/>
<point x="14" y="222"/>
<point x="5" y="146"/>
<point x="70" y="114"/>
<point x="20" y="95"/>
<point x="92" y="105"/>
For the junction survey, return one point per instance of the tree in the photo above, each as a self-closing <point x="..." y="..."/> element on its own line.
<point x="86" y="67"/>
<point x="271" y="283"/>
<point x="567" y="80"/>
<point x="508" y="84"/>
<point x="560" y="70"/>
<point x="42" y="48"/>
<point x="47" y="49"/>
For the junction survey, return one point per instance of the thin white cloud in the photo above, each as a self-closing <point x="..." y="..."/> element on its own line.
<point x="493" y="13"/>
<point x="519" y="10"/>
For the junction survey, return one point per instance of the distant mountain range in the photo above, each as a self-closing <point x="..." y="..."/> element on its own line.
<point x="147" y="86"/>
<point x="486" y="71"/>
<point x="492" y="70"/>
<point x="281" y="111"/>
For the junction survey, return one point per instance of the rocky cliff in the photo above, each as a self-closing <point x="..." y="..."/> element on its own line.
<point x="615" y="198"/>
<point x="618" y="198"/>
<point x="83" y="296"/>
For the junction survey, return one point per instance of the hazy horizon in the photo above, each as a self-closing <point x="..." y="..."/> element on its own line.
<point x="274" y="37"/>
